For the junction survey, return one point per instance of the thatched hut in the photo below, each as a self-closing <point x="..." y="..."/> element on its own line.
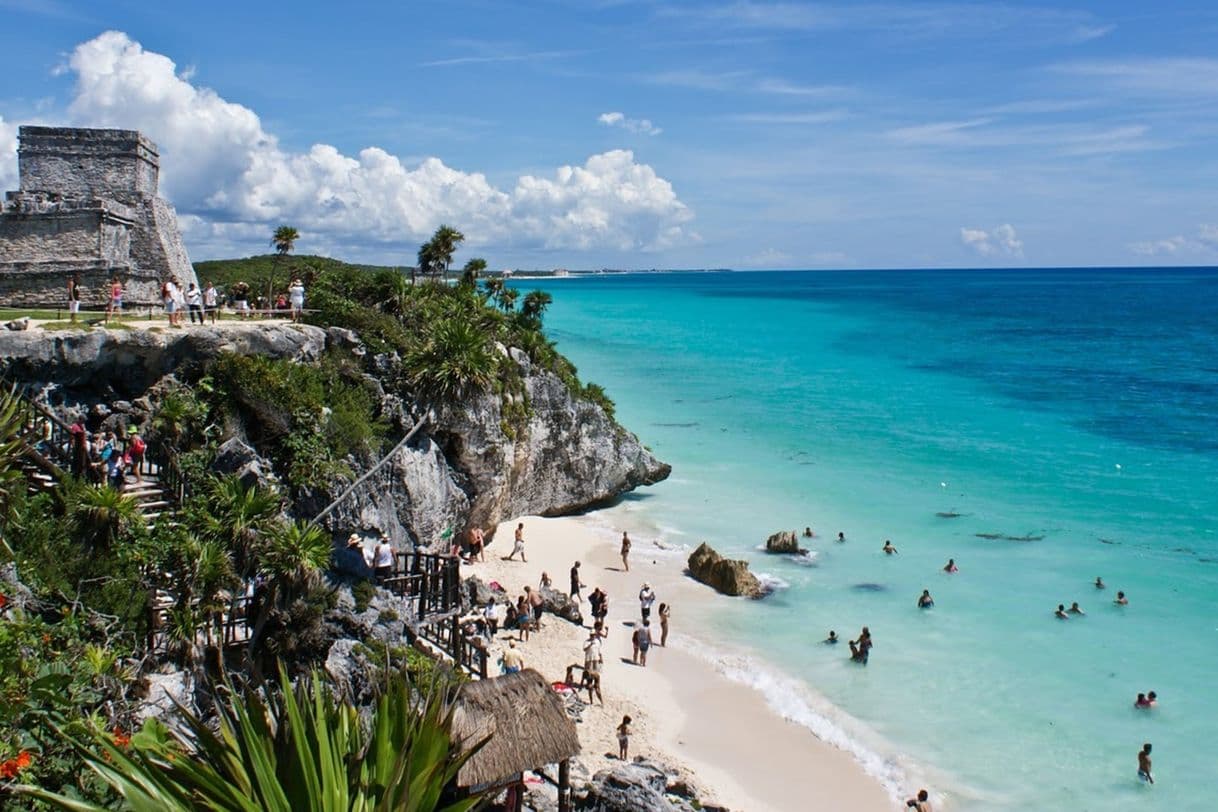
<point x="525" y="727"/>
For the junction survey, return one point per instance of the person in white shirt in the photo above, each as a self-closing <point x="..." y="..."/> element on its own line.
<point x="210" y="301"/>
<point x="296" y="297"/>
<point x="169" y="297"/>
<point x="194" y="303"/>
<point x="382" y="560"/>
<point x="646" y="599"/>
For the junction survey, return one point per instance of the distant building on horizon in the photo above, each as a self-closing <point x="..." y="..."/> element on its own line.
<point x="88" y="205"/>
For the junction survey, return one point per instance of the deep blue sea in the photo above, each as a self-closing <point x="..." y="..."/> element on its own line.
<point x="1065" y="421"/>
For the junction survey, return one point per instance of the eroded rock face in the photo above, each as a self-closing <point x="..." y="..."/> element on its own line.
<point x="569" y="456"/>
<point x="631" y="787"/>
<point x="784" y="541"/>
<point x="724" y="575"/>
<point x="560" y="603"/>
<point x="140" y="358"/>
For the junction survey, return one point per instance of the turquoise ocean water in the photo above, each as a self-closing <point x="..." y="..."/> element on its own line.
<point x="1078" y="408"/>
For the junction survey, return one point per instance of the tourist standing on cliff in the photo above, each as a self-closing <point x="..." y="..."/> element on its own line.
<point x="518" y="546"/>
<point x="382" y="560"/>
<point x="194" y="303"/>
<point x="73" y="297"/>
<point x="626" y="551"/>
<point x="241" y="299"/>
<point x="115" y="306"/>
<point x="296" y="295"/>
<point x="171" y="296"/>
<point x="211" y="301"/>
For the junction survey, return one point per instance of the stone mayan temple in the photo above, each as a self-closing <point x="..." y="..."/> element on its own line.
<point x="88" y="205"/>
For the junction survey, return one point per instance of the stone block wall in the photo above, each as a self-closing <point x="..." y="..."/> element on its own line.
<point x="87" y="162"/>
<point x="44" y="285"/>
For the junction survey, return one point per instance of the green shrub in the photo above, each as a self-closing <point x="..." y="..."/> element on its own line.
<point x="363" y="593"/>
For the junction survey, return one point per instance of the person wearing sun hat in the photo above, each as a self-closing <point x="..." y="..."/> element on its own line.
<point x="135" y="449"/>
<point x="350" y="560"/>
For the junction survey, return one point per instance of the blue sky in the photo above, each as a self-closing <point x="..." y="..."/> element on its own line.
<point x="653" y="134"/>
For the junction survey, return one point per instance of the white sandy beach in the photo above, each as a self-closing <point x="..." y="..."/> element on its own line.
<point x="733" y="746"/>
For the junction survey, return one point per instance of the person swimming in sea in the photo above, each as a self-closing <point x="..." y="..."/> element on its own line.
<point x="1060" y="614"/>
<point x="888" y="548"/>
<point x="950" y="566"/>
<point x="1075" y="609"/>
<point x="1121" y="600"/>
<point x="807" y="532"/>
<point x="832" y="639"/>
<point x="926" y="601"/>
<point x="841" y="538"/>
<point x="1144" y="764"/>
<point x="1099" y="583"/>
<point x="860" y="649"/>
<point x="1141" y="701"/>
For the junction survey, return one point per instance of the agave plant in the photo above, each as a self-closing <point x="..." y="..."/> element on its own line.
<point x="103" y="515"/>
<point x="12" y="424"/>
<point x="454" y="361"/>
<point x="287" y="750"/>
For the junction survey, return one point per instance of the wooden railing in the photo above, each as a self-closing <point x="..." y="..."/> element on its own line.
<point x="467" y="652"/>
<point x="430" y="583"/>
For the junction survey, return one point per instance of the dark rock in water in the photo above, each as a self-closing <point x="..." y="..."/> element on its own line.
<point x="948" y="514"/>
<point x="869" y="588"/>
<point x="560" y="603"/>
<point x="1004" y="537"/>
<point x="726" y="576"/>
<point x="989" y="536"/>
<point x="784" y="542"/>
<point x="1023" y="538"/>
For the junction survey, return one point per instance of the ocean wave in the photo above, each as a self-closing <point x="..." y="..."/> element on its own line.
<point x="805" y="558"/>
<point x="771" y="583"/>
<point x="796" y="703"/>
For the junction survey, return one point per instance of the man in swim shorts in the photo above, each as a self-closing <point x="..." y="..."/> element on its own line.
<point x="1144" y="764"/>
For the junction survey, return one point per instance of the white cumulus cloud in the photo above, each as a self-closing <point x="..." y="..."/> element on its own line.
<point x="997" y="242"/>
<point x="8" y="155"/>
<point x="643" y="126"/>
<point x="1204" y="241"/>
<point x="230" y="178"/>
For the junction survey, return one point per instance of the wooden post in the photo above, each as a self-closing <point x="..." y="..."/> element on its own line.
<point x="518" y="804"/>
<point x="564" y="785"/>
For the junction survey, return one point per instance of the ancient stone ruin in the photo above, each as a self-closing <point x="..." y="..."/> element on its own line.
<point x="88" y="205"/>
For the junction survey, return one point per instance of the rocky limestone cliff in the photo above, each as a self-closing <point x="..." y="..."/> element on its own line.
<point x="466" y="467"/>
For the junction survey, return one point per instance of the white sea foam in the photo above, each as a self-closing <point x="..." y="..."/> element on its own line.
<point x="795" y="702"/>
<point x="771" y="583"/>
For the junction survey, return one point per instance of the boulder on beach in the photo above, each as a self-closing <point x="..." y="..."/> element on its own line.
<point x="723" y="574"/>
<point x="560" y="603"/>
<point x="784" y="542"/>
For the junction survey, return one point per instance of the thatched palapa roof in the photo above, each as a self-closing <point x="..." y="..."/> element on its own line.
<point x="525" y="721"/>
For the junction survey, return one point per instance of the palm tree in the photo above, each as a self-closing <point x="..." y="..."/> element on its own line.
<point x="429" y="262"/>
<point x="493" y="287"/>
<point x="456" y="360"/>
<point x="472" y="270"/>
<point x="284" y="240"/>
<point x="535" y="303"/>
<point x="507" y="299"/>
<point x="238" y="516"/>
<point x="443" y="245"/>
<point x="291" y="556"/>
<point x="287" y="750"/>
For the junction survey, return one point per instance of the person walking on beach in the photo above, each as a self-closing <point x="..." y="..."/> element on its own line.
<point x="593" y="661"/>
<point x="646" y="598"/>
<point x="626" y="551"/>
<point x="926" y="601"/>
<point x="642" y="639"/>
<point x="623" y="738"/>
<point x="536" y="604"/>
<point x="665" y="611"/>
<point x="1144" y="764"/>
<point x="577" y="584"/>
<point x="512" y="661"/>
<point x="518" y="546"/>
<point x="921" y="803"/>
<point x="888" y="548"/>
